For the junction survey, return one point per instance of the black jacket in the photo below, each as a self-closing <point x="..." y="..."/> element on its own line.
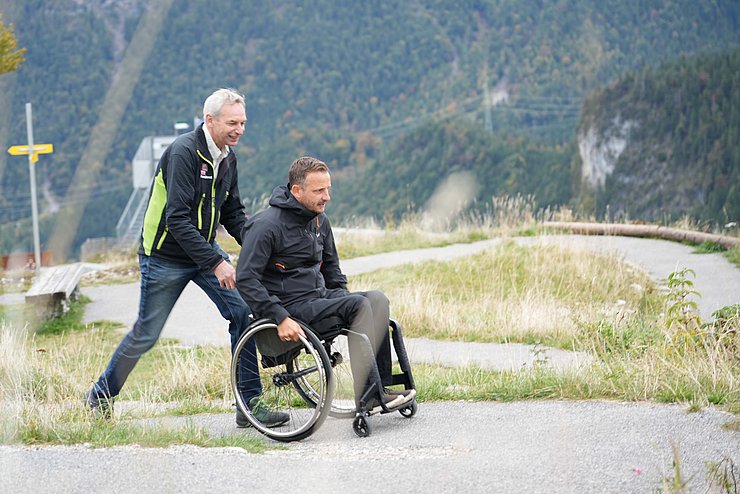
<point x="186" y="204"/>
<point x="288" y="255"/>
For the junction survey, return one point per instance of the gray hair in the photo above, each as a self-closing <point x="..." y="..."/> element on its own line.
<point x="301" y="167"/>
<point x="216" y="101"/>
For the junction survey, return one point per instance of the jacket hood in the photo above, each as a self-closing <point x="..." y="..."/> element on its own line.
<point x="283" y="199"/>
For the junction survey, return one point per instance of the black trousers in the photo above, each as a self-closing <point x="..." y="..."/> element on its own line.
<point x="366" y="313"/>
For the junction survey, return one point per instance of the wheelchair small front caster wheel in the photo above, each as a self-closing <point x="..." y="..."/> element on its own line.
<point x="361" y="426"/>
<point x="409" y="410"/>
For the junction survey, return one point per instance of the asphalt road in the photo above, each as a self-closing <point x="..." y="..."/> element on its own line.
<point x="534" y="446"/>
<point x="537" y="446"/>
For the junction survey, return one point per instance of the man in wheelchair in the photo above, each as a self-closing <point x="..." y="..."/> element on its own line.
<point x="289" y="268"/>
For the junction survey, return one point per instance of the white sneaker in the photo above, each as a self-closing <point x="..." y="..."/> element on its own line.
<point x="391" y="401"/>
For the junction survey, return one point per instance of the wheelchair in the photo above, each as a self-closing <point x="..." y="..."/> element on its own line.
<point x="311" y="378"/>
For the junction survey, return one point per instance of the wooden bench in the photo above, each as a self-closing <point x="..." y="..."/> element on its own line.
<point x="54" y="288"/>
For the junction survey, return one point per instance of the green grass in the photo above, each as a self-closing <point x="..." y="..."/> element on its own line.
<point x="638" y="378"/>
<point x="45" y="375"/>
<point x="69" y="321"/>
<point x="538" y="295"/>
<point x="100" y="433"/>
<point x="707" y="247"/>
<point x="733" y="255"/>
<point x="20" y="314"/>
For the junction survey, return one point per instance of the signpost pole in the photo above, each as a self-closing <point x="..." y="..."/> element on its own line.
<point x="32" y="173"/>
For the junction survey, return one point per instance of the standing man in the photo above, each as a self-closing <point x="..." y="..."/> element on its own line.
<point x="195" y="188"/>
<point x="289" y="267"/>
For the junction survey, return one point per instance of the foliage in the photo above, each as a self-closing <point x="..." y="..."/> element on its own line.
<point x="11" y="57"/>
<point x="733" y="255"/>
<point x="418" y="164"/>
<point x="724" y="330"/>
<point x="724" y="475"/>
<point x="101" y="434"/>
<point x="708" y="247"/>
<point x="681" y="312"/>
<point x="351" y="82"/>
<point x="684" y="140"/>
<point x="69" y="321"/>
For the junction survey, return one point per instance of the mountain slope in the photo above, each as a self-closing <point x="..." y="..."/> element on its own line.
<point x="339" y="80"/>
<point x="665" y="142"/>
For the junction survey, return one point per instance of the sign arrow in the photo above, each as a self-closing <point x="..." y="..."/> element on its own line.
<point x="37" y="149"/>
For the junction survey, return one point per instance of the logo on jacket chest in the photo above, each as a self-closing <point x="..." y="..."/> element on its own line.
<point x="204" y="171"/>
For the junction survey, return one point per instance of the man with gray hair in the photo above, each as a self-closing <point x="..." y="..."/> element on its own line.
<point x="288" y="267"/>
<point x="195" y="188"/>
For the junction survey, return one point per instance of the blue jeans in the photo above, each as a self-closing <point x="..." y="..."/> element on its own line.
<point x="162" y="282"/>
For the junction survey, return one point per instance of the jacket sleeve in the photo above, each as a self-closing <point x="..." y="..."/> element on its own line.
<point x="232" y="215"/>
<point x="180" y="204"/>
<point x="258" y="242"/>
<point x="333" y="276"/>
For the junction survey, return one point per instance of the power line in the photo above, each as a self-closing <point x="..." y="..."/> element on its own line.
<point x="565" y="108"/>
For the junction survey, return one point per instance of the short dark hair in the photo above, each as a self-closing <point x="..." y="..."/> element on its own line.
<point x="301" y="167"/>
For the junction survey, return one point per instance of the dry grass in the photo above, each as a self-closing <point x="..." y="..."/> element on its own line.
<point x="116" y="271"/>
<point x="44" y="378"/>
<point x="510" y="293"/>
<point x="548" y="295"/>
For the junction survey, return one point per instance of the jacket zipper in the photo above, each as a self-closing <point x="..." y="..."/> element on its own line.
<point x="200" y="211"/>
<point x="213" y="199"/>
<point x="213" y="206"/>
<point x="161" y="239"/>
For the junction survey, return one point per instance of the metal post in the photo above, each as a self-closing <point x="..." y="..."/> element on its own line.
<point x="32" y="173"/>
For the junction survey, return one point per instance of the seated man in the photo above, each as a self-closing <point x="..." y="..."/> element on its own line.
<point x="288" y="266"/>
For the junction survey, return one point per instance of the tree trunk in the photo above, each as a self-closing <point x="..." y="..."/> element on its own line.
<point x="651" y="231"/>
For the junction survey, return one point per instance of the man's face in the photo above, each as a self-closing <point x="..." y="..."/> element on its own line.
<point x="314" y="194"/>
<point x="228" y="127"/>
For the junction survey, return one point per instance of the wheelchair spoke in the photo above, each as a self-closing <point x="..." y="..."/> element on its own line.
<point x="281" y="382"/>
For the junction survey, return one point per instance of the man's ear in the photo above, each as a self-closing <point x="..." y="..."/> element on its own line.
<point x="295" y="189"/>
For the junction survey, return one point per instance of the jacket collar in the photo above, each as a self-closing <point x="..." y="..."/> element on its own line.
<point x="203" y="149"/>
<point x="283" y="199"/>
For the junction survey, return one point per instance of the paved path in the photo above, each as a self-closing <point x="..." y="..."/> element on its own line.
<point x="450" y="447"/>
<point x="533" y="446"/>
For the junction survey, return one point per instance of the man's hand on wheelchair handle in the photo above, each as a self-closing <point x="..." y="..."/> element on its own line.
<point x="289" y="330"/>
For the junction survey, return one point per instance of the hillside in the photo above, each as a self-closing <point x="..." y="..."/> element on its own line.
<point x="661" y="142"/>
<point x="443" y="168"/>
<point x="352" y="82"/>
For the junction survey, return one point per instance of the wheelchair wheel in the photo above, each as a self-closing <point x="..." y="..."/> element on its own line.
<point x="409" y="410"/>
<point x="343" y="403"/>
<point x="279" y="377"/>
<point x="361" y="426"/>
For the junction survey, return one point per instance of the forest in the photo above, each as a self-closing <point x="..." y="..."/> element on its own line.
<point x="395" y="96"/>
<point x="684" y="151"/>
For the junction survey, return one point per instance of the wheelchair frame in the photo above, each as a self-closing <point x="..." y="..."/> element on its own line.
<point x="311" y="378"/>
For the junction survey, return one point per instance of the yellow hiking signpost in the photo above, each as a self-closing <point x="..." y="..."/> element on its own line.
<point x="37" y="149"/>
<point x="33" y="151"/>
